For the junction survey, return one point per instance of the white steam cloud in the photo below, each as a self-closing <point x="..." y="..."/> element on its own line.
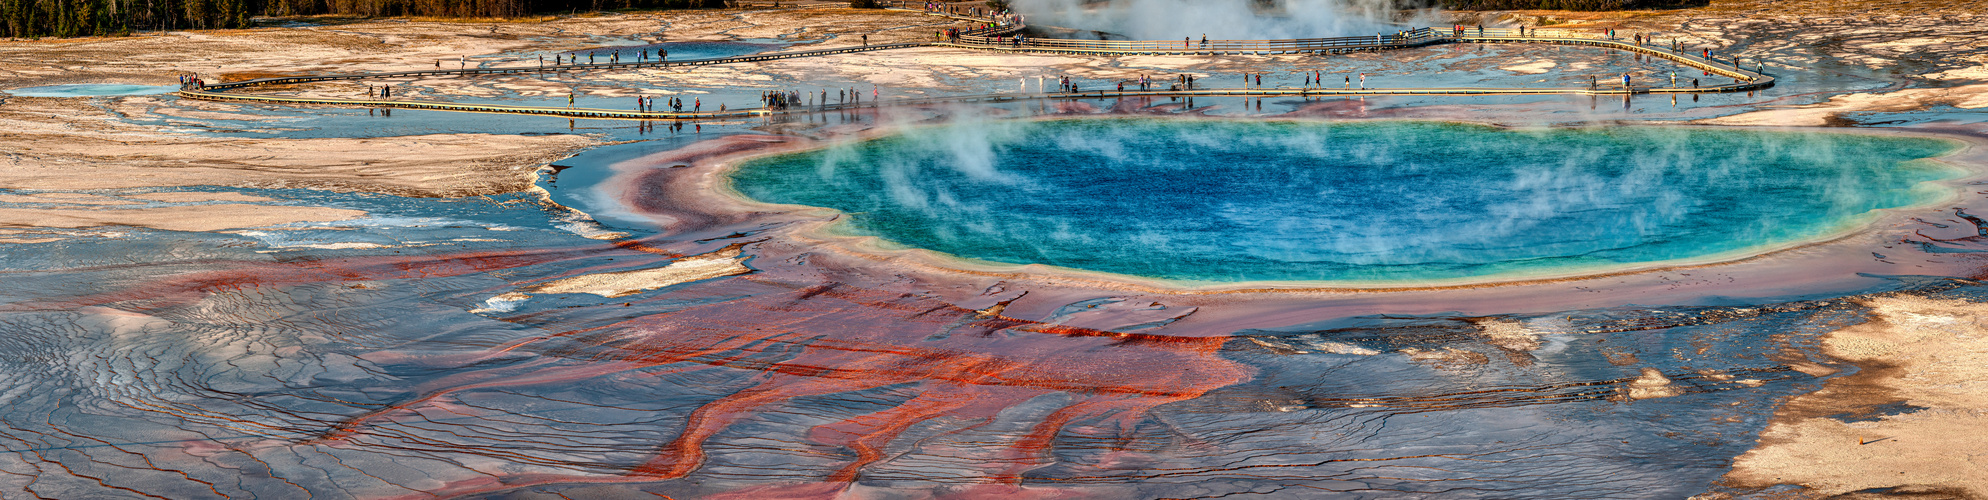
<point x="1218" y="19"/>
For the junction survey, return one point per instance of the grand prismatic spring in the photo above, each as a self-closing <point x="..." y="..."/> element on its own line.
<point x="1151" y="249"/>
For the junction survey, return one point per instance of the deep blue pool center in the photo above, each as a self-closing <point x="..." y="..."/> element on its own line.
<point x="1237" y="201"/>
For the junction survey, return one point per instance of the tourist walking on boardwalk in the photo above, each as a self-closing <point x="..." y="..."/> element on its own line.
<point x="866" y="39"/>
<point x="1363" y="81"/>
<point x="569" y="100"/>
<point x="1349" y="82"/>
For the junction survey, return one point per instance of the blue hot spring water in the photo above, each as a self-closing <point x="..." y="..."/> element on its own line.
<point x="1233" y="201"/>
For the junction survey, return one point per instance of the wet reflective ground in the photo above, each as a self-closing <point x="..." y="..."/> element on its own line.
<point x="412" y="353"/>
<point x="213" y="366"/>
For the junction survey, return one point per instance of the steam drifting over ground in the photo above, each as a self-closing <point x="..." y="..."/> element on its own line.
<point x="1218" y="19"/>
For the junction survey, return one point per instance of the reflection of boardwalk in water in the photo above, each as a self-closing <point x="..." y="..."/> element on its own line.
<point x="998" y="37"/>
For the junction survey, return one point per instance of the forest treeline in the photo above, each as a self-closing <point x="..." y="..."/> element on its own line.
<point x="67" y="18"/>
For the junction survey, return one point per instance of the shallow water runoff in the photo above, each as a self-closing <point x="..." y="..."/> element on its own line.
<point x="1235" y="201"/>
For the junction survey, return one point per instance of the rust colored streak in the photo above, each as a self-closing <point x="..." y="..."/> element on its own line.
<point x="867" y="434"/>
<point x="853" y="340"/>
<point x="825" y="340"/>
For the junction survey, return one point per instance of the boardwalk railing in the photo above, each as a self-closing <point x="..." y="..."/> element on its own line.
<point x="558" y="68"/>
<point x="998" y="33"/>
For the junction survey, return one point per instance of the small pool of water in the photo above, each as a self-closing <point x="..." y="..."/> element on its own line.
<point x="92" y="90"/>
<point x="1234" y="201"/>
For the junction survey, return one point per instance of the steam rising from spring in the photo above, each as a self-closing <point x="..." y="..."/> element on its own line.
<point x="1247" y="201"/>
<point x="1219" y="19"/>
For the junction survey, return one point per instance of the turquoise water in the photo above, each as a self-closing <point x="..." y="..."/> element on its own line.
<point x="91" y="90"/>
<point x="1230" y="201"/>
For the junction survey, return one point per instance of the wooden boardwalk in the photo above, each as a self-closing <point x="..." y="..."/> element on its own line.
<point x="998" y="37"/>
